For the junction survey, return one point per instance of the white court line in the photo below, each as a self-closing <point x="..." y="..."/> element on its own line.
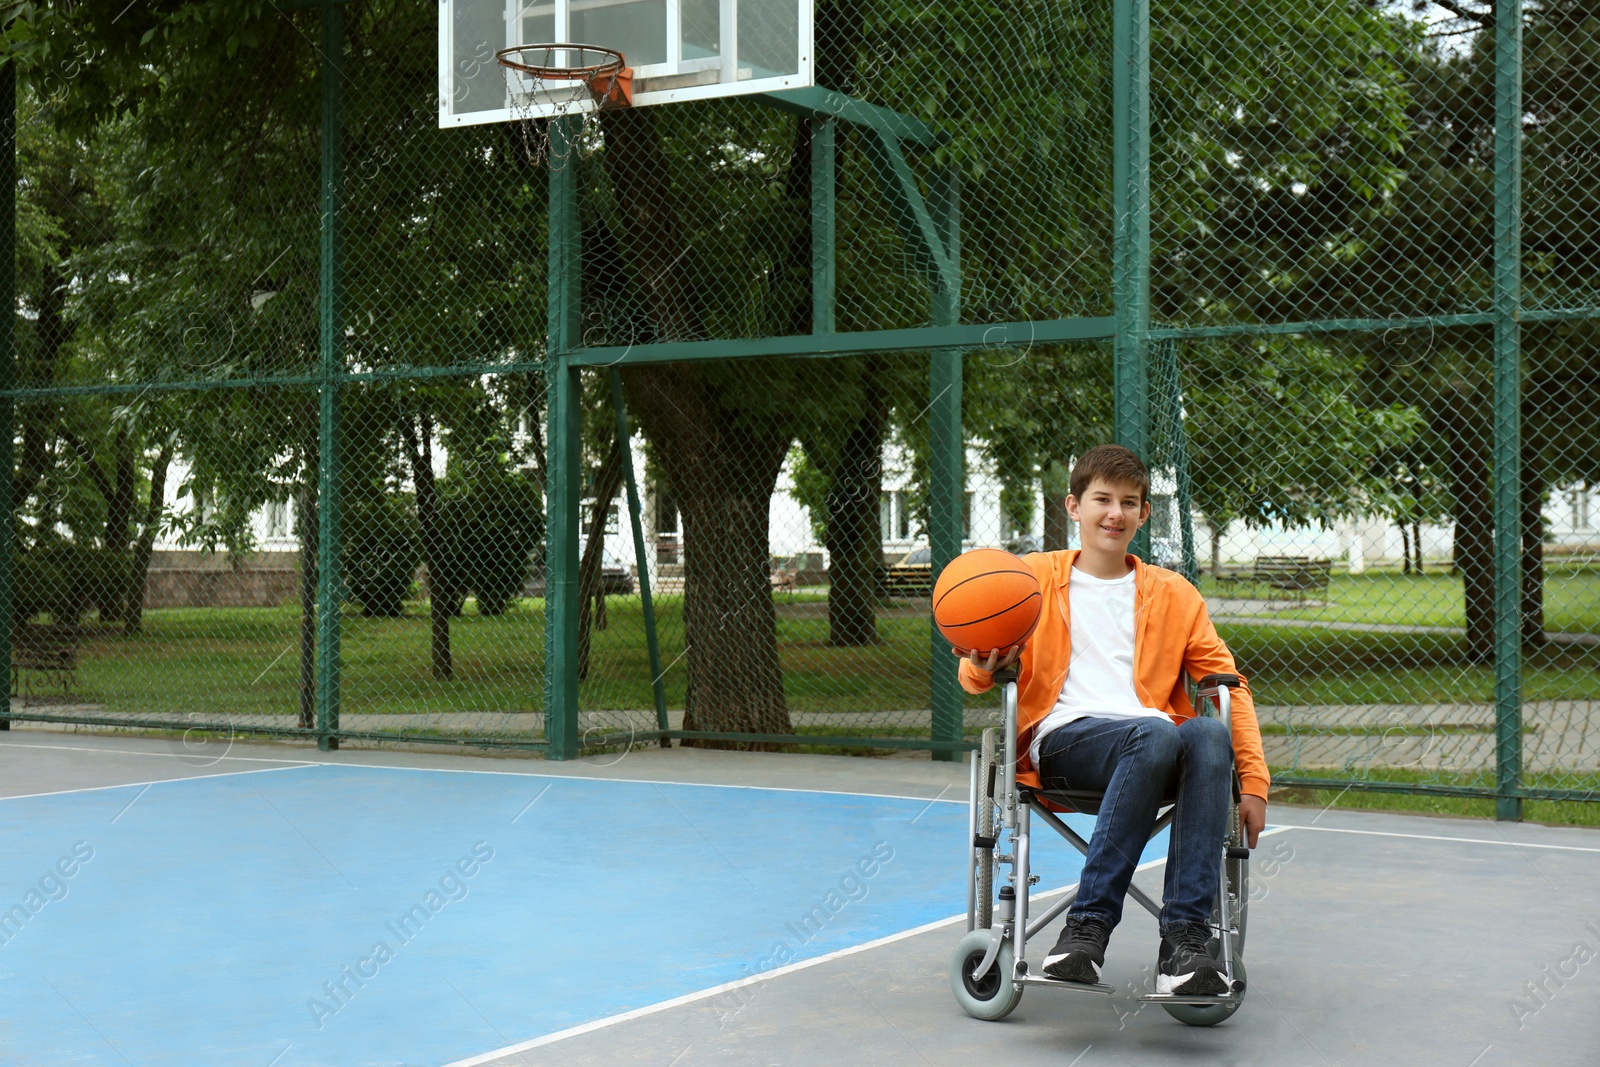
<point x="170" y="755"/>
<point x="512" y="774"/>
<point x="1437" y="837"/>
<point x="157" y="781"/>
<point x="741" y="983"/>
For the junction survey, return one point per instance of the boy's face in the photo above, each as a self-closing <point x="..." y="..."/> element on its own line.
<point x="1108" y="515"/>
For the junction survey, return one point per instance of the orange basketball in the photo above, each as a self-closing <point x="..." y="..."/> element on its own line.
<point x="986" y="599"/>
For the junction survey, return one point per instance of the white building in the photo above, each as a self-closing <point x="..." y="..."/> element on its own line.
<point x="1572" y="513"/>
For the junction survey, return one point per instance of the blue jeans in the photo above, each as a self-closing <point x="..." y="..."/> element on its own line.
<point x="1138" y="763"/>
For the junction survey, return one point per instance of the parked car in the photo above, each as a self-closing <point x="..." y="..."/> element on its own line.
<point x="910" y="575"/>
<point x="615" y="578"/>
<point x="1023" y="544"/>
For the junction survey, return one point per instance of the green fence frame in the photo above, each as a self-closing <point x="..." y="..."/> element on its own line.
<point x="930" y="226"/>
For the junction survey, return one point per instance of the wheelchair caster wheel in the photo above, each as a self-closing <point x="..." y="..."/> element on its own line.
<point x="994" y="995"/>
<point x="1205" y="1014"/>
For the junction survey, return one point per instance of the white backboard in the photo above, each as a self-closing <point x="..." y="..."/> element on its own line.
<point x="678" y="49"/>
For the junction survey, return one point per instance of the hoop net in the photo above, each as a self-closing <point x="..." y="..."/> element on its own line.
<point x="548" y="81"/>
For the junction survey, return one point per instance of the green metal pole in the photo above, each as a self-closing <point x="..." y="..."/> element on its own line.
<point x="8" y="241"/>
<point x="565" y="447"/>
<point x="1130" y="177"/>
<point x="824" y="141"/>
<point x="329" y="581"/>
<point x="947" y="465"/>
<point x="1508" y="407"/>
<point x="657" y="684"/>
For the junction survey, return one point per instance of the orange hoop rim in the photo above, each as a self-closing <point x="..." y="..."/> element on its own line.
<point x="615" y="62"/>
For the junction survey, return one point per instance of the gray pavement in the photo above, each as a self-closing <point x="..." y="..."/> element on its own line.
<point x="1374" y="938"/>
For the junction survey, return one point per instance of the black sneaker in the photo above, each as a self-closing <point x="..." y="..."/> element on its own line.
<point x="1186" y="966"/>
<point x="1080" y="951"/>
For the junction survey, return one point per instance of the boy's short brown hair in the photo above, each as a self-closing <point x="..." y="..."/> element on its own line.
<point x="1111" y="463"/>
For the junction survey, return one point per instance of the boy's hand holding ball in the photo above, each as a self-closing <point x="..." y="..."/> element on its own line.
<point x="996" y="659"/>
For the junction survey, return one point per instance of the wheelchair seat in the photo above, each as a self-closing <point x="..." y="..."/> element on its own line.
<point x="1083" y="802"/>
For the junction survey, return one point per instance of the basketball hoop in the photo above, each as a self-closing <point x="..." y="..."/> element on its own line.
<point x="604" y="70"/>
<point x="599" y="79"/>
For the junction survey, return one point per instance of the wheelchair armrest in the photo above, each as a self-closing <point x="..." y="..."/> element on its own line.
<point x="1221" y="686"/>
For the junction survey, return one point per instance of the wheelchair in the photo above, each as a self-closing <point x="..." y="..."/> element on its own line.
<point x="989" y="968"/>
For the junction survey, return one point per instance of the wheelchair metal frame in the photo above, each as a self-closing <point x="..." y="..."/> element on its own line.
<point x="1008" y="915"/>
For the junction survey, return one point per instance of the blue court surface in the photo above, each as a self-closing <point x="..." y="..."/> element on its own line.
<point x="348" y="915"/>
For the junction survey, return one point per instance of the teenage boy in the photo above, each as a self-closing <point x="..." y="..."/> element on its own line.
<point x="1102" y="705"/>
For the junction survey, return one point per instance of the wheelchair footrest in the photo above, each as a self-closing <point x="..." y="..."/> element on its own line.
<point x="1179" y="998"/>
<point x="1056" y="983"/>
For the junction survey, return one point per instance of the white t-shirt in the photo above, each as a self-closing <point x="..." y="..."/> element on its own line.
<point x="1100" y="677"/>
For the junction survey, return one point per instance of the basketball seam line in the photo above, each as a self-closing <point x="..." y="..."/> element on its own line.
<point x="996" y="615"/>
<point x="975" y="577"/>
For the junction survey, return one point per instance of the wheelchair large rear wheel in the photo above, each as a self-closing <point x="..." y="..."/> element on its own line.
<point x="1238" y="875"/>
<point x="1238" y="890"/>
<point x="994" y="995"/>
<point x="983" y="858"/>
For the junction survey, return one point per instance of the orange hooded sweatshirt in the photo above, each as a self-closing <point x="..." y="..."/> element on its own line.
<point x="1172" y="637"/>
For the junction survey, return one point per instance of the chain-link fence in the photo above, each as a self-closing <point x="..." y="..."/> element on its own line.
<point x="665" y="428"/>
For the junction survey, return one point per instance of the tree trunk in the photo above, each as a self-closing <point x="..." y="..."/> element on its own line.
<point x="591" y="590"/>
<point x="443" y="589"/>
<point x="38" y="417"/>
<point x="854" y="539"/>
<point x="722" y="476"/>
<point x="1474" y="533"/>
<point x="117" y="492"/>
<point x="1416" y="543"/>
<point x="139" y="569"/>
<point x="1217" y="530"/>
<point x="721" y="467"/>
<point x="1533" y="492"/>
<point x="734" y="680"/>
<point x="307" y="532"/>
<point x="1405" y="547"/>
<point x="1054" y="485"/>
<point x="119" y="524"/>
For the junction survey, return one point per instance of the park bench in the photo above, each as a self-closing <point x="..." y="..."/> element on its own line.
<point x="44" y="661"/>
<point x="1298" y="574"/>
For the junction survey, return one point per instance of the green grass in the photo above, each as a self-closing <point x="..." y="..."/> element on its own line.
<point x="245" y="660"/>
<point x="1572" y="599"/>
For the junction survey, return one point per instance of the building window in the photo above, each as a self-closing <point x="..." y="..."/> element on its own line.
<point x="885" y="516"/>
<point x="902" y="516"/>
<point x="277" y="518"/>
<point x="612" y="519"/>
<point x="1581" y="500"/>
<point x="666" y="514"/>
